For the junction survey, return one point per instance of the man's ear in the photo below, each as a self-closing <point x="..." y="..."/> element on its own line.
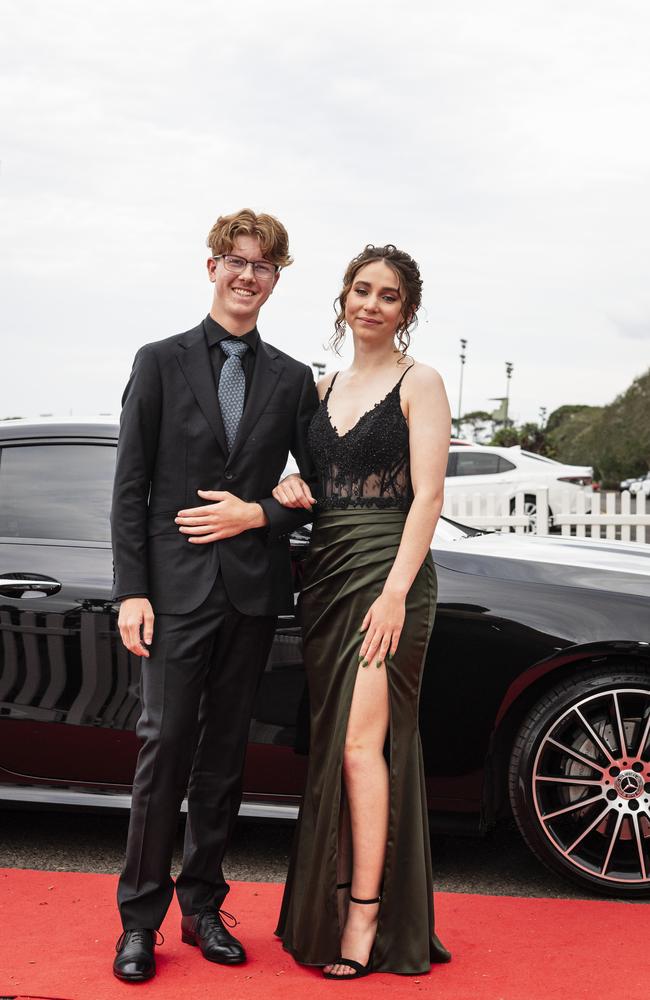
<point x="275" y="281"/>
<point x="211" y="265"/>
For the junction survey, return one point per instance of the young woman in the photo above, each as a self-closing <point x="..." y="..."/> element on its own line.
<point x="358" y="896"/>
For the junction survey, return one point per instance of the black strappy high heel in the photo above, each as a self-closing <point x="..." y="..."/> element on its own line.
<point x="359" y="970"/>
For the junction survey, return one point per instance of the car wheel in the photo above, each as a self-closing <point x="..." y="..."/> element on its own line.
<point x="530" y="510"/>
<point x="580" y="780"/>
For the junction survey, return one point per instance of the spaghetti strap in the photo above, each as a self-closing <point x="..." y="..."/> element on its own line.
<point x="399" y="382"/>
<point x="329" y="388"/>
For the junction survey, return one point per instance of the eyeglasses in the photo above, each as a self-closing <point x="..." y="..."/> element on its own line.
<point x="261" y="268"/>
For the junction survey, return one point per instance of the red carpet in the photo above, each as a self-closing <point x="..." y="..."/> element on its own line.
<point x="57" y="935"/>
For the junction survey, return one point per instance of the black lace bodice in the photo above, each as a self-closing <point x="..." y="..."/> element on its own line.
<point x="368" y="466"/>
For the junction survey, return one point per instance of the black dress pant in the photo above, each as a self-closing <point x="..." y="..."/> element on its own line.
<point x="197" y="691"/>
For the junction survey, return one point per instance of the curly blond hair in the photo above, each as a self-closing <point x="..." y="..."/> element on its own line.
<point x="273" y="237"/>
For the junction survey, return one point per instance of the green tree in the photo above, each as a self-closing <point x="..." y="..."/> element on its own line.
<point x="614" y="439"/>
<point x="566" y="413"/>
<point x="477" y="419"/>
<point x="505" y="437"/>
<point x="532" y="437"/>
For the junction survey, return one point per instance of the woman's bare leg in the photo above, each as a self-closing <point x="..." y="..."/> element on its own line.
<point x="365" y="775"/>
<point x="344" y="871"/>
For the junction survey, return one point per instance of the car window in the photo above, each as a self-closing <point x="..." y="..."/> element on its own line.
<point x="60" y="491"/>
<point x="451" y="464"/>
<point x="476" y="463"/>
<point x="505" y="465"/>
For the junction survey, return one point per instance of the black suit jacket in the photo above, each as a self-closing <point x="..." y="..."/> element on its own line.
<point x="172" y="443"/>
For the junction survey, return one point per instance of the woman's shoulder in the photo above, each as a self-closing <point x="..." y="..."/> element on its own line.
<point x="421" y="377"/>
<point x="324" y="383"/>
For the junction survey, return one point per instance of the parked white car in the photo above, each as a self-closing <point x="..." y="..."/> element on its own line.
<point x="641" y="485"/>
<point x="481" y="469"/>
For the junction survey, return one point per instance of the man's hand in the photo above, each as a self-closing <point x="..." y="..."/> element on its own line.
<point x="135" y="622"/>
<point x="225" y="517"/>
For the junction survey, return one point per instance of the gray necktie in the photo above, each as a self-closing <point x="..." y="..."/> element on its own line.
<point x="232" y="387"/>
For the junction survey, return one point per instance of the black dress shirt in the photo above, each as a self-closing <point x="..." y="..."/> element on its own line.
<point x="214" y="334"/>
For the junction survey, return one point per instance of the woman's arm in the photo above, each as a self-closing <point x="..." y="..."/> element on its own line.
<point x="429" y="419"/>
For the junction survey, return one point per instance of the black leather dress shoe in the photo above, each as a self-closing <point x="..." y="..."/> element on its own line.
<point x="134" y="961"/>
<point x="217" y="944"/>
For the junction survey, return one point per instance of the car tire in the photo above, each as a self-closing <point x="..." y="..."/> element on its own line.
<point x="579" y="780"/>
<point x="530" y="508"/>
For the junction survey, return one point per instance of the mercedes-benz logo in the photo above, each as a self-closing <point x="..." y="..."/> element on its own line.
<point x="629" y="785"/>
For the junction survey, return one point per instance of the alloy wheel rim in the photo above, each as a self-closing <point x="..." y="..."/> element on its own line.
<point x="530" y="508"/>
<point x="591" y="786"/>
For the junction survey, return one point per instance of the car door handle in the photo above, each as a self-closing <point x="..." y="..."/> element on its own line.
<point x="27" y="585"/>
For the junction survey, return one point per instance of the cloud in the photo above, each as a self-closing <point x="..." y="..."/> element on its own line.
<point x="504" y="145"/>
<point x="632" y="329"/>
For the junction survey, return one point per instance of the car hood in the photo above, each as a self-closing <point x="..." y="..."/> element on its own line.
<point x="620" y="567"/>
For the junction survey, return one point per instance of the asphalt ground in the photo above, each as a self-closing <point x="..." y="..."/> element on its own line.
<point x="498" y="864"/>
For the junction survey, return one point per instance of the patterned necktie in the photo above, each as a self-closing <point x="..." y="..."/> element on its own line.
<point x="232" y="387"/>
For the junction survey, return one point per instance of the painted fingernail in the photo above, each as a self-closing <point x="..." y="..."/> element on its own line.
<point x="361" y="656"/>
<point x="378" y="664"/>
<point x="364" y="663"/>
<point x="390" y="656"/>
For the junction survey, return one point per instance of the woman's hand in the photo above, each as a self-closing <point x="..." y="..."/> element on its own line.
<point x="293" y="492"/>
<point x="383" y="626"/>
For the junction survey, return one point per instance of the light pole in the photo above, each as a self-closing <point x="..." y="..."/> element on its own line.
<point x="509" y="367"/>
<point x="463" y="345"/>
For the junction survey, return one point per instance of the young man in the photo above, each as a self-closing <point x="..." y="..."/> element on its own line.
<point x="202" y="568"/>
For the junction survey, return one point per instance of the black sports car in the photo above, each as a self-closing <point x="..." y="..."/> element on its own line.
<point x="536" y="696"/>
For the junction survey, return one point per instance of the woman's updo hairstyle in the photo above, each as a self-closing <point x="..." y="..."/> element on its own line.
<point x="407" y="273"/>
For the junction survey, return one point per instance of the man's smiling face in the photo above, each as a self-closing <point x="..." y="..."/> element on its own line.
<point x="238" y="298"/>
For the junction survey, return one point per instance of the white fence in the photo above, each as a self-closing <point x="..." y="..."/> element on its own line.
<point x="630" y="524"/>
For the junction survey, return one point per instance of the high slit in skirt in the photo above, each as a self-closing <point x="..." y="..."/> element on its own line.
<point x="351" y="554"/>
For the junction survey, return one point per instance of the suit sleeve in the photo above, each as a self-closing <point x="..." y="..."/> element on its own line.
<point x="284" y="520"/>
<point x="136" y="452"/>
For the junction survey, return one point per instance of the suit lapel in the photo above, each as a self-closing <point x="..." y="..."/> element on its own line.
<point x="194" y="359"/>
<point x="266" y="373"/>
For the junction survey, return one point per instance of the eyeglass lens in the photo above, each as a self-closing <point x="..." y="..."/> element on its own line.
<point x="238" y="264"/>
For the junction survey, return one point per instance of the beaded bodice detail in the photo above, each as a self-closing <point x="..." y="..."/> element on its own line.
<point x="368" y="466"/>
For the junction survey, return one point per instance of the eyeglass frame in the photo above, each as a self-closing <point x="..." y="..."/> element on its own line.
<point x="238" y="256"/>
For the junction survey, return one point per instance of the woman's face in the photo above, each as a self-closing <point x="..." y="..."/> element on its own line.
<point x="373" y="308"/>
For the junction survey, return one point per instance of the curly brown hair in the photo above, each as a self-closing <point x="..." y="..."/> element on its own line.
<point x="273" y="237"/>
<point x="407" y="273"/>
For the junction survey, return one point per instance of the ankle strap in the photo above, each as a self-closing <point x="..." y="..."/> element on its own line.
<point x="344" y="885"/>
<point x="353" y="899"/>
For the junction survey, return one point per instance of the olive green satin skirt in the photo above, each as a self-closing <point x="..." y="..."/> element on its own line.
<point x="350" y="556"/>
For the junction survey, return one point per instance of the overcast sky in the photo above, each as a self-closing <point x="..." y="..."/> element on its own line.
<point x="504" y="144"/>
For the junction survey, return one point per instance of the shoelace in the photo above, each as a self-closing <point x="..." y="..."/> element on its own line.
<point x="138" y="936"/>
<point x="212" y="919"/>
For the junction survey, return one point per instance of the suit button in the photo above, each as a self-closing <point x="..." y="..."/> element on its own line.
<point x="228" y="475"/>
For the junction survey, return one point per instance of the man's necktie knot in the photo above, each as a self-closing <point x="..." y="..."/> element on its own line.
<point x="232" y="387"/>
<point x="237" y="348"/>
